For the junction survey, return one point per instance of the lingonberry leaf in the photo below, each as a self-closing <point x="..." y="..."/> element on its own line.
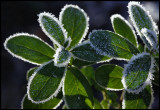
<point x="62" y="57"/>
<point x="109" y="77"/>
<point x="151" y="37"/>
<point x="76" y="90"/>
<point x="143" y="100"/>
<point x="52" y="28"/>
<point x="138" y="73"/>
<point x="85" y="52"/>
<point x="45" y="82"/>
<point x="30" y="72"/>
<point x="75" y="21"/>
<point x="122" y="27"/>
<point x="113" y="45"/>
<point x="53" y="103"/>
<point x="29" y="48"/>
<point x="141" y="19"/>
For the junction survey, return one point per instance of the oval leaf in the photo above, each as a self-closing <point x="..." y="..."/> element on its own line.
<point x="76" y="90"/>
<point x="30" y="72"/>
<point x="53" y="103"/>
<point x="137" y="73"/>
<point x="143" y="100"/>
<point x="75" y="22"/>
<point x="109" y="76"/>
<point x="112" y="45"/>
<point x="62" y="57"/>
<point x="122" y="27"/>
<point x="85" y="52"/>
<point x="29" y="48"/>
<point x="52" y="28"/>
<point x="141" y="19"/>
<point x="45" y="82"/>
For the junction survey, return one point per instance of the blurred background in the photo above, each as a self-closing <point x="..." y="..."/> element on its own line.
<point x="22" y="17"/>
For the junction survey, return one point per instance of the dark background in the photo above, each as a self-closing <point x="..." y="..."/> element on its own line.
<point x="22" y="17"/>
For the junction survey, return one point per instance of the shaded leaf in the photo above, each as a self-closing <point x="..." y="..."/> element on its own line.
<point x="76" y="90"/>
<point x="137" y="73"/>
<point x="75" y="21"/>
<point x="45" y="82"/>
<point x="112" y="45"/>
<point x="52" y="28"/>
<point x="51" y="104"/>
<point x="88" y="71"/>
<point x="140" y="48"/>
<point x="109" y="76"/>
<point x="143" y="100"/>
<point x="29" y="48"/>
<point x="86" y="53"/>
<point x="122" y="27"/>
<point x="80" y="63"/>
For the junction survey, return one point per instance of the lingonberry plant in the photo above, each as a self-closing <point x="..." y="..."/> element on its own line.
<point x="63" y="72"/>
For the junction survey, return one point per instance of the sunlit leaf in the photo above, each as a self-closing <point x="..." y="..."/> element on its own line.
<point x="75" y="21"/>
<point x="122" y="27"/>
<point x="29" y="48"/>
<point x="76" y="90"/>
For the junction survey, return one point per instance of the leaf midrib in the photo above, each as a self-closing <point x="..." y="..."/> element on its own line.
<point x="46" y="82"/>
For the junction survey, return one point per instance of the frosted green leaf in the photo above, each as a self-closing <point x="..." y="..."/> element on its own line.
<point x="85" y="52"/>
<point x="151" y="37"/>
<point x="45" y="82"/>
<point x="141" y="19"/>
<point x="137" y="73"/>
<point x="62" y="57"/>
<point x="88" y="71"/>
<point x="76" y="90"/>
<point x="122" y="27"/>
<point x="75" y="21"/>
<point x="29" y="48"/>
<point x="52" y="28"/>
<point x="112" y="45"/>
<point x="109" y="76"/>
<point x="143" y="100"/>
<point x="30" y="72"/>
<point x="97" y="104"/>
<point x="53" y="103"/>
